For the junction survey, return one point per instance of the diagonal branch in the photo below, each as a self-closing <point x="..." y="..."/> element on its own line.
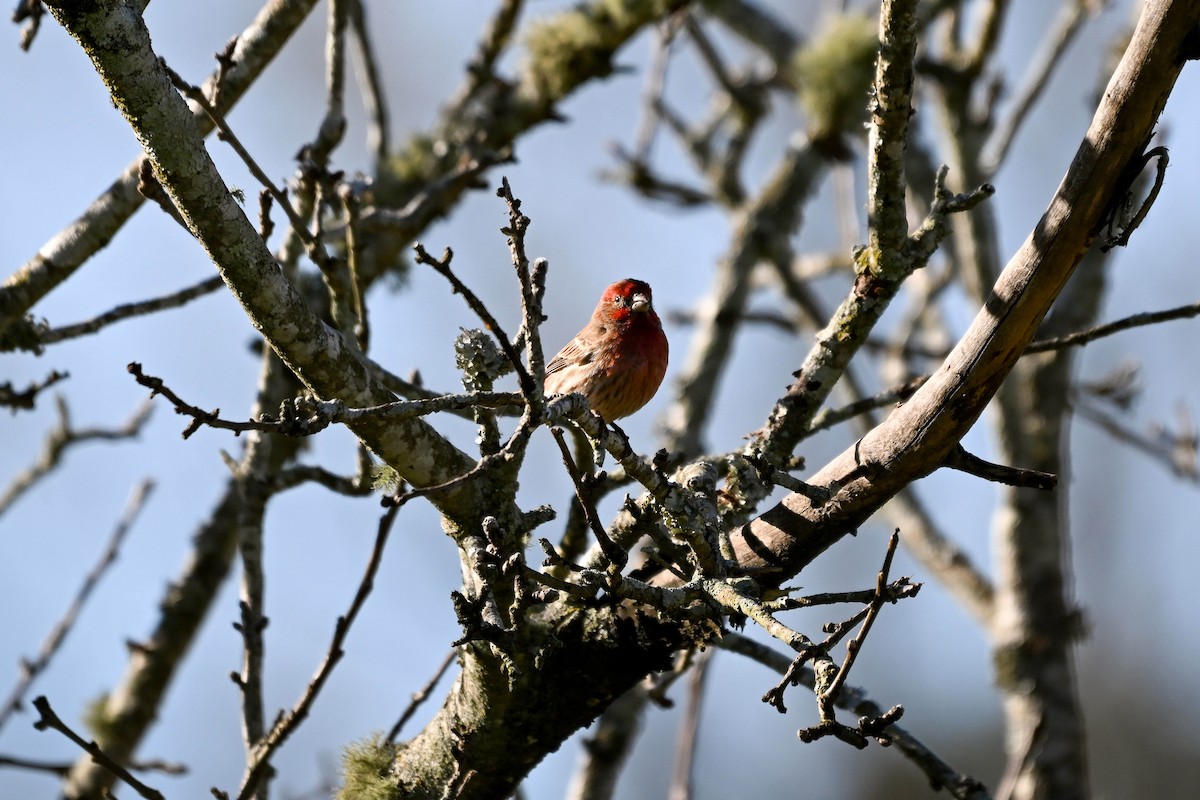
<point x="130" y="310"/>
<point x="940" y="774"/>
<point x="763" y="232"/>
<point x="1066" y="26"/>
<point x="135" y="702"/>
<point x="31" y="669"/>
<point x="916" y="438"/>
<point x="260" y="757"/>
<point x="117" y="40"/>
<point x="51" y="720"/>
<point x="58" y="259"/>
<point x="891" y="254"/>
<point x="60" y="439"/>
<point x="379" y="130"/>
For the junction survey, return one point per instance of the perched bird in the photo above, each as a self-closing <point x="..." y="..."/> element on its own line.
<point x="619" y="358"/>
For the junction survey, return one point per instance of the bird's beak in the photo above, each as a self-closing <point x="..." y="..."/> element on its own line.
<point x="639" y="303"/>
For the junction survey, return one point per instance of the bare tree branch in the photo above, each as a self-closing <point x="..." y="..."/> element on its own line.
<point x="133" y="704"/>
<point x="1108" y="329"/>
<point x="51" y="720"/>
<point x="915" y="438"/>
<point x="1062" y="32"/>
<point x="31" y="669"/>
<point x="266" y="745"/>
<point x="421" y="695"/>
<point x="58" y="259"/>
<point x="130" y="310"/>
<point x="62" y="438"/>
<point x="689" y="731"/>
<point x="940" y="774"/>
<point x="26" y="399"/>
<point x="570" y="640"/>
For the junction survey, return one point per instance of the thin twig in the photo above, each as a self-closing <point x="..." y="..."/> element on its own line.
<point x="58" y="768"/>
<point x="574" y="533"/>
<point x="301" y="474"/>
<point x="420" y="696"/>
<point x="26" y="399"/>
<point x="828" y="417"/>
<point x="431" y="202"/>
<point x="574" y="408"/>
<point x="442" y="266"/>
<point x="1177" y="451"/>
<point x="855" y="700"/>
<point x="555" y="583"/>
<point x="62" y="437"/>
<point x="289" y="721"/>
<point x="149" y="187"/>
<point x="50" y="720"/>
<point x="250" y="625"/>
<point x="1121" y="224"/>
<point x="63" y="768"/>
<point x="31" y="669"/>
<point x="517" y="441"/>
<point x="252" y="621"/>
<point x="128" y="310"/>
<point x="379" y="129"/>
<point x="615" y="555"/>
<point x="652" y="94"/>
<point x="719" y="146"/>
<point x="354" y="245"/>
<point x="961" y="460"/>
<point x="826" y="699"/>
<point x="896" y="590"/>
<point x="226" y="134"/>
<point x="30" y="12"/>
<point x="305" y="416"/>
<point x="772" y="319"/>
<point x="759" y="26"/>
<point x="689" y="731"/>
<point x="533" y="289"/>
<point x="1108" y="329"/>
<point x="1055" y="46"/>
<point x="333" y="124"/>
<point x="646" y="181"/>
<point x="481" y="67"/>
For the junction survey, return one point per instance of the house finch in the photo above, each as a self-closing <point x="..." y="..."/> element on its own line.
<point x="619" y="358"/>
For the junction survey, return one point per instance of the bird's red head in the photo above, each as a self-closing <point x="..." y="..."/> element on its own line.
<point x="625" y="300"/>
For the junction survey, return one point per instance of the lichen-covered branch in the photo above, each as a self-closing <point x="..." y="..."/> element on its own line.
<point x="131" y="707"/>
<point x="58" y="259"/>
<point x="116" y="39"/>
<point x="916" y="437"/>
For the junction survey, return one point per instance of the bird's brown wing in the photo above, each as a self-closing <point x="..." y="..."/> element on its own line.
<point x="573" y="354"/>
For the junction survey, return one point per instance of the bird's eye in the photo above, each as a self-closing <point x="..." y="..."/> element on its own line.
<point x="618" y="301"/>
